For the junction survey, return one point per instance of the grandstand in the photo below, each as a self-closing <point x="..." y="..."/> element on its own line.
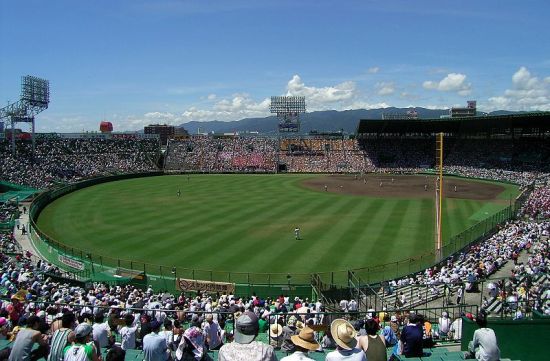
<point x="501" y="267"/>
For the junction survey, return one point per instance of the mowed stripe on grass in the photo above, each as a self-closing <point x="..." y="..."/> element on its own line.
<point x="245" y="223"/>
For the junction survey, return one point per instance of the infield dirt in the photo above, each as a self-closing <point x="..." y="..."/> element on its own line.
<point x="403" y="186"/>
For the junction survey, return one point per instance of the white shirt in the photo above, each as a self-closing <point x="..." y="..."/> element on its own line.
<point x="444" y="324"/>
<point x="485" y="345"/>
<point x="101" y="333"/>
<point x="212" y="330"/>
<point x="354" y="354"/>
<point x="128" y="335"/>
<point x="296" y="356"/>
<point x="456" y="328"/>
<point x="344" y="305"/>
<point x="168" y="335"/>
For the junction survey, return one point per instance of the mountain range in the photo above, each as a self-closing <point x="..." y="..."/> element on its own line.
<point x="322" y="121"/>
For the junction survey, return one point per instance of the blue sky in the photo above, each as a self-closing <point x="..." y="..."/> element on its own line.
<point x="172" y="61"/>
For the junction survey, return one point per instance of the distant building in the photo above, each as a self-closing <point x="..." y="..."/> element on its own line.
<point x="180" y="132"/>
<point x="410" y="114"/>
<point x="165" y="132"/>
<point x="469" y="111"/>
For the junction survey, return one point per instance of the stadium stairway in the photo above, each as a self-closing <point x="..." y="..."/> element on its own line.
<point x="496" y="306"/>
<point x="416" y="295"/>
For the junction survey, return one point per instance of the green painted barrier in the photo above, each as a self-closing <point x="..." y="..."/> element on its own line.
<point x="524" y="340"/>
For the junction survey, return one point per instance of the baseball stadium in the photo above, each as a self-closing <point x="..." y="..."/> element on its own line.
<point x="403" y="212"/>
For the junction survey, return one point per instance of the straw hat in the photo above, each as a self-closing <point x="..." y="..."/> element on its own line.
<point x="275" y="330"/>
<point x="343" y="333"/>
<point x="305" y="339"/>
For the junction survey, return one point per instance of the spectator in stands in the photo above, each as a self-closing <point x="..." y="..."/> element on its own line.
<point x="275" y="336"/>
<point x="154" y="345"/>
<point x="128" y="333"/>
<point x="62" y="337"/>
<point x="101" y="331"/>
<point x="213" y="332"/>
<point x="145" y="327"/>
<point x="192" y="346"/>
<point x="82" y="349"/>
<point x="390" y="338"/>
<point x="25" y="340"/>
<point x="345" y="337"/>
<point x="444" y="324"/>
<point x="484" y="345"/>
<point x="411" y="337"/>
<point x="115" y="354"/>
<point x="373" y="344"/>
<point x="245" y="347"/>
<point x="168" y="332"/>
<point x="303" y="343"/>
<point x="288" y="331"/>
<point x="455" y="331"/>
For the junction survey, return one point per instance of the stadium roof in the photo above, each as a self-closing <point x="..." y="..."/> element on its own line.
<point x="524" y="123"/>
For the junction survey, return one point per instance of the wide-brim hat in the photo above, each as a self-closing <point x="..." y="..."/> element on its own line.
<point x="343" y="333"/>
<point x="275" y="330"/>
<point x="305" y="339"/>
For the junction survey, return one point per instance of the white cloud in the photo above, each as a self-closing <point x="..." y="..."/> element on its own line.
<point x="321" y="98"/>
<point x="385" y="88"/>
<point x="373" y="70"/>
<point x="242" y="104"/>
<point x="160" y="117"/>
<point x="342" y="96"/>
<point x="237" y="107"/>
<point x="359" y="104"/>
<point x="527" y="93"/>
<point x="58" y="123"/>
<point x="453" y="82"/>
<point x="522" y="79"/>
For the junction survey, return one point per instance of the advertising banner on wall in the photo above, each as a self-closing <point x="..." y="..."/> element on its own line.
<point x="183" y="284"/>
<point x="71" y="262"/>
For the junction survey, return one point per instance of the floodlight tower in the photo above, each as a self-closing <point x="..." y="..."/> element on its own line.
<point x="34" y="99"/>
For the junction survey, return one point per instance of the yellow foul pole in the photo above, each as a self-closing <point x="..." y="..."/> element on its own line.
<point x="439" y="194"/>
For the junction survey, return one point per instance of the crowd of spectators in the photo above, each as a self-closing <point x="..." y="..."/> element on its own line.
<point x="400" y="154"/>
<point x="8" y="211"/>
<point x="259" y="154"/>
<point x="127" y="314"/>
<point x="208" y="154"/>
<point x="463" y="272"/>
<point x="63" y="160"/>
<point x="66" y="160"/>
<point x="538" y="205"/>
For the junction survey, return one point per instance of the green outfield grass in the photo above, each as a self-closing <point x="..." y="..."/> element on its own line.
<point x="246" y="223"/>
